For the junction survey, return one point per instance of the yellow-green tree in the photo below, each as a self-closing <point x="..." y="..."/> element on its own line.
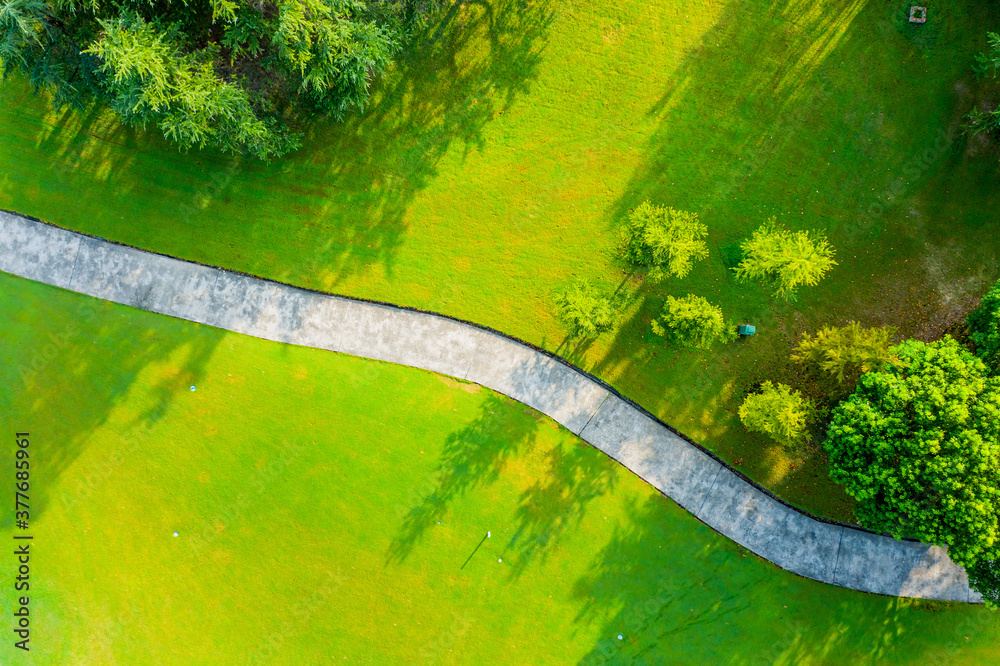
<point x="692" y="321"/>
<point x="663" y="240"/>
<point x="585" y="310"/>
<point x="847" y="351"/>
<point x="780" y="412"/>
<point x="787" y="259"/>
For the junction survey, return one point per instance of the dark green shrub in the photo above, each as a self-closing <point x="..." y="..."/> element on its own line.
<point x="918" y="446"/>
<point x="692" y="321"/>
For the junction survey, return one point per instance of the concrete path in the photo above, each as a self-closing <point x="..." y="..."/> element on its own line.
<point x="717" y="495"/>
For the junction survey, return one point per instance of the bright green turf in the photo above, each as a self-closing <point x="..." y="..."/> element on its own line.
<point x="497" y="159"/>
<point x="307" y="489"/>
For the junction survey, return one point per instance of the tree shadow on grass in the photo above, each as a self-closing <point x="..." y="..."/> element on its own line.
<point x="478" y="455"/>
<point x="682" y="594"/>
<point x="557" y="501"/>
<point x="322" y="214"/>
<point x="751" y="125"/>
<point x="472" y="457"/>
<point x="70" y="363"/>
<point x="461" y="73"/>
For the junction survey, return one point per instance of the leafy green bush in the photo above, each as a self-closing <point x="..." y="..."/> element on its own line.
<point x="918" y="446"/>
<point x="787" y="258"/>
<point x="693" y="322"/>
<point x="984" y="328"/>
<point x="242" y="77"/>
<point x="779" y="412"/>
<point x="847" y="351"/>
<point x="987" y="65"/>
<point x="664" y="240"/>
<point x="585" y="310"/>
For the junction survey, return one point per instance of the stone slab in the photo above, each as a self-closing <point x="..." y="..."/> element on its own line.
<point x="321" y="322"/>
<point x="250" y="306"/>
<point x="37" y="251"/>
<point x="797" y="542"/>
<point x="409" y="338"/>
<point x="653" y="452"/>
<point x="142" y="280"/>
<point x="880" y="564"/>
<point x="538" y="381"/>
<point x="935" y="576"/>
<point x="770" y="529"/>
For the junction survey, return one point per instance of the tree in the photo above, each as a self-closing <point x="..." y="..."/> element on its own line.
<point x="918" y="446"/>
<point x="787" y="258"/>
<point x="987" y="64"/>
<point x="692" y="321"/>
<point x="664" y="240"/>
<point x="779" y="412"/>
<point x="984" y="328"/>
<point x="585" y="310"/>
<point x="243" y="77"/>
<point x="847" y="351"/>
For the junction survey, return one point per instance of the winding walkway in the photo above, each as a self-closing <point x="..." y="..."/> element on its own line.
<point x="718" y="496"/>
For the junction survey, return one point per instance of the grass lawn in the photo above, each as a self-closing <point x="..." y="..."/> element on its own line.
<point x="325" y="512"/>
<point x="498" y="158"/>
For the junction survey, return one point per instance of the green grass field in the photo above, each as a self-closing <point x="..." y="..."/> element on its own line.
<point x="499" y="156"/>
<point x="325" y="513"/>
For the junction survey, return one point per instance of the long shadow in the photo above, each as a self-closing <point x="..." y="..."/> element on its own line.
<point x="475" y="456"/>
<point x="472" y="457"/>
<point x="769" y="115"/>
<point x="557" y="502"/>
<point x="441" y="96"/>
<point x="341" y="200"/>
<point x="67" y="365"/>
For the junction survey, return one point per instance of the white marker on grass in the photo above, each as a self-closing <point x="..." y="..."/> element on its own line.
<point x="175" y="533"/>
<point x="192" y="388"/>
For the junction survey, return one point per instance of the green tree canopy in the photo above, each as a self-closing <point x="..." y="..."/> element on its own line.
<point x="779" y="412"/>
<point x="918" y="446"/>
<point x="847" y="351"/>
<point x="585" y="310"/>
<point x="787" y="258"/>
<point x="692" y="321"/>
<point x="664" y="240"/>
<point x="243" y="77"/>
<point x="984" y="328"/>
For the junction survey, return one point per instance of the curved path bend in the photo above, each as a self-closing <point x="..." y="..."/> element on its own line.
<point x="717" y="495"/>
